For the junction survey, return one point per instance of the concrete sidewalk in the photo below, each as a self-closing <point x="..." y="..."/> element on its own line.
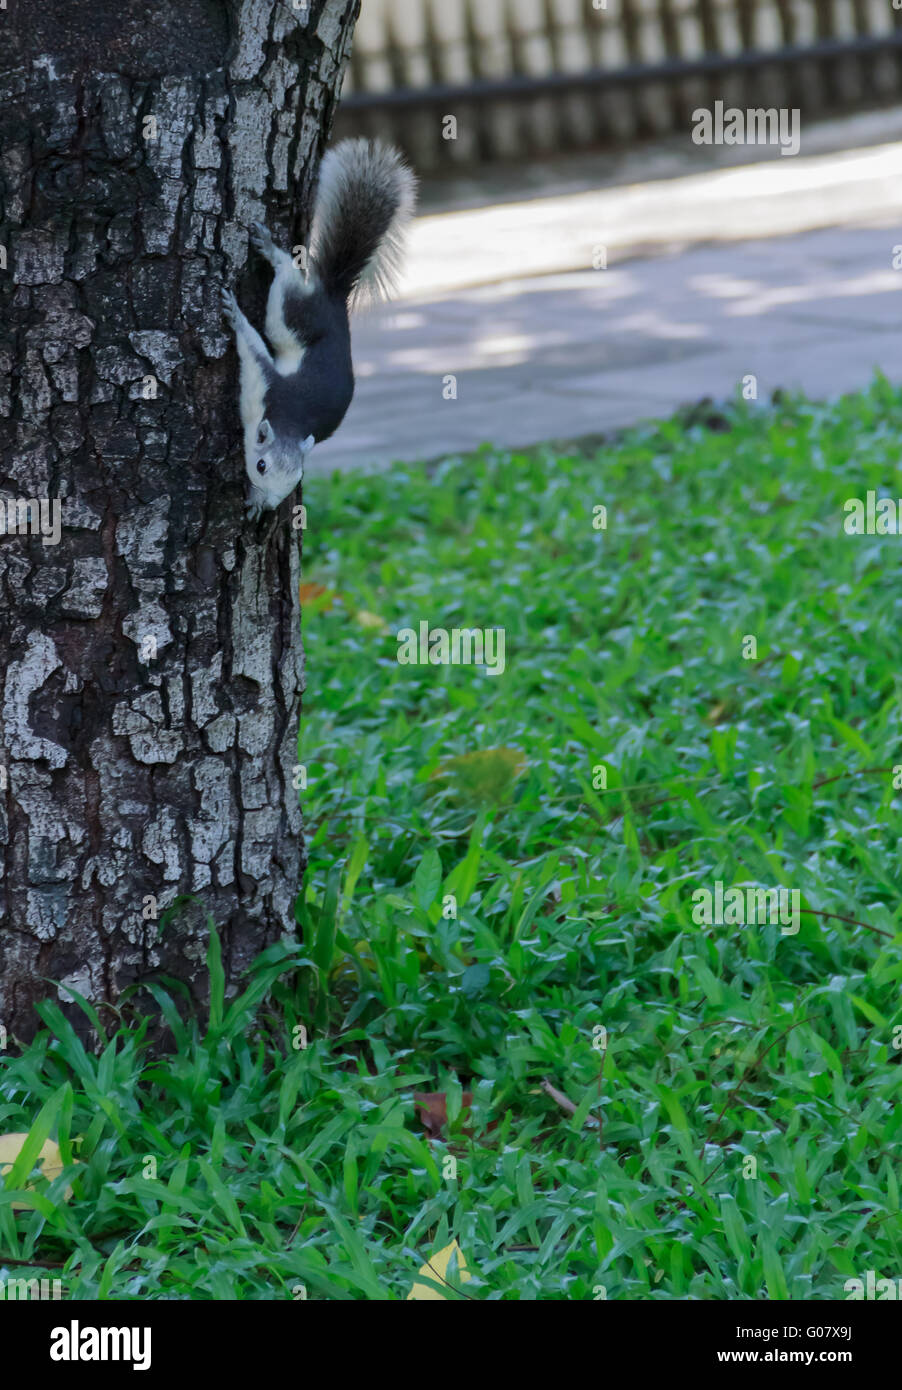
<point x="544" y="347"/>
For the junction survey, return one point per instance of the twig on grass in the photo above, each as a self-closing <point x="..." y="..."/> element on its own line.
<point x="558" y="1096"/>
<point x="741" y="1082"/>
<point x="567" y="1104"/>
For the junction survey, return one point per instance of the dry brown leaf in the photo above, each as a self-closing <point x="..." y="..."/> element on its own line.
<point x="433" y="1108"/>
<point x="317" y="596"/>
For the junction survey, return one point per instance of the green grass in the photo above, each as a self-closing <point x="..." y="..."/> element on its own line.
<point x="750" y="1086"/>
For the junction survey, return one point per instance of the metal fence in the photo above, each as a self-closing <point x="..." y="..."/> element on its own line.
<point x="459" y="82"/>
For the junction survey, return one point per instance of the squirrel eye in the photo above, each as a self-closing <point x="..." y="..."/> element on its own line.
<point x="261" y="466"/>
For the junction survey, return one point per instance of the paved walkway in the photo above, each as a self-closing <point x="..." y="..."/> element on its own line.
<point x="544" y="347"/>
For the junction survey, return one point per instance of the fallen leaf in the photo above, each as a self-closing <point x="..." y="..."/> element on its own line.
<point x="317" y="596"/>
<point x="49" y="1160"/>
<point x="433" y="1108"/>
<point x="487" y="775"/>
<point x="437" y="1269"/>
<point x="370" y="620"/>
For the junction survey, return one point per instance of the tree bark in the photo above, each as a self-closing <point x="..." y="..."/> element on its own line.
<point x="151" y="666"/>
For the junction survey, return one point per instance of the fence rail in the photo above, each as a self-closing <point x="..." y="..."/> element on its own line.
<point x="460" y="82"/>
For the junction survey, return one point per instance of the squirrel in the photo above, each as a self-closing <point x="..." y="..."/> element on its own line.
<point x="298" y="396"/>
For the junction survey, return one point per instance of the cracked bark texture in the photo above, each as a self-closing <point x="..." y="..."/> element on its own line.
<point x="151" y="666"/>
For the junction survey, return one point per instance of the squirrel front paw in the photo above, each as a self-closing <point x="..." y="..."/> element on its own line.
<point x="229" y="306"/>
<point x="255" y="505"/>
<point x="260" y="239"/>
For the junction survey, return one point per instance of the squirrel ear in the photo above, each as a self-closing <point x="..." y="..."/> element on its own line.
<point x="308" y="444"/>
<point x="264" y="433"/>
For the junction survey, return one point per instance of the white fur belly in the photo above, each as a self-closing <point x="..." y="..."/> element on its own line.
<point x="253" y="394"/>
<point x="289" y="352"/>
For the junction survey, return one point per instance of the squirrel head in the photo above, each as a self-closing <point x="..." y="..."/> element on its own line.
<point x="275" y="466"/>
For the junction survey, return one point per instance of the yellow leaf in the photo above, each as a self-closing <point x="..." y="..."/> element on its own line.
<point x="371" y="620"/>
<point x="487" y="775"/>
<point x="437" y="1270"/>
<point x="49" y="1160"/>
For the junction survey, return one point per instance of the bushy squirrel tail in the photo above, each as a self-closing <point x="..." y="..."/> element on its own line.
<point x="364" y="201"/>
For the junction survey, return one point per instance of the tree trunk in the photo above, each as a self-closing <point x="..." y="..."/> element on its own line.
<point x="151" y="665"/>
